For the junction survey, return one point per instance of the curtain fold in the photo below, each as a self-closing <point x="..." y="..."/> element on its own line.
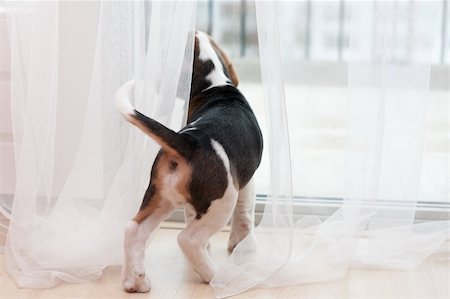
<point x="389" y="95"/>
<point x="388" y="90"/>
<point x="81" y="169"/>
<point x="247" y="268"/>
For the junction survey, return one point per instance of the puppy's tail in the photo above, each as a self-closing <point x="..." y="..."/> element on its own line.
<point x="169" y="140"/>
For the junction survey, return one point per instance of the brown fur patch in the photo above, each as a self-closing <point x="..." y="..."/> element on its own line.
<point x="164" y="167"/>
<point x="151" y="206"/>
<point x="183" y="171"/>
<point x="194" y="103"/>
<point x="183" y="185"/>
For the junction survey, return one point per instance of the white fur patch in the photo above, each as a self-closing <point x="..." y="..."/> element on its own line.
<point x="243" y="218"/>
<point x="169" y="191"/>
<point x="220" y="151"/>
<point x="188" y="129"/>
<point x="207" y="52"/>
<point x="122" y="99"/>
<point x="195" y="121"/>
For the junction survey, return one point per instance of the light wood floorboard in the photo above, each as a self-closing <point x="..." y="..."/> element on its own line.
<point x="172" y="278"/>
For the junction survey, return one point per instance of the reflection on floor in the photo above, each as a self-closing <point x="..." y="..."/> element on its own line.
<point x="172" y="278"/>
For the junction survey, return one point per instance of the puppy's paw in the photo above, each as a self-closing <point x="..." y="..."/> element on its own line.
<point x="134" y="279"/>
<point x="249" y="242"/>
<point x="231" y="245"/>
<point x="137" y="282"/>
<point x="235" y="238"/>
<point x="207" y="276"/>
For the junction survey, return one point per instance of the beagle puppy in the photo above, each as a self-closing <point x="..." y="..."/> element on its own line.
<point x="205" y="168"/>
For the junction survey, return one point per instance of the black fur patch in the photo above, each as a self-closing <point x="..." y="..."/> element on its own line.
<point x="201" y="70"/>
<point x="209" y="179"/>
<point x="222" y="113"/>
<point x="151" y="190"/>
<point x="180" y="143"/>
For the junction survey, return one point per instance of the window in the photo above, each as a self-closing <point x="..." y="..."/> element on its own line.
<point x="315" y="52"/>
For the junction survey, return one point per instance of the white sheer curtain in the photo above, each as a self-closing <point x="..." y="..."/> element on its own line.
<point x="388" y="90"/>
<point x="81" y="170"/>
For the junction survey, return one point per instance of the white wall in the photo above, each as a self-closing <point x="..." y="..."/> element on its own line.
<point x="7" y="173"/>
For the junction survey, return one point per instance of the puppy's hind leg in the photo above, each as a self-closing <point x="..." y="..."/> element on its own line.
<point x="194" y="238"/>
<point x="153" y="211"/>
<point x="243" y="216"/>
<point x="189" y="216"/>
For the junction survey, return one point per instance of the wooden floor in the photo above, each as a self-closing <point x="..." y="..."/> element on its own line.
<point x="171" y="278"/>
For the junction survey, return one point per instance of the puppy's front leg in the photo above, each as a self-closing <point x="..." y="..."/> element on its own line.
<point x="243" y="219"/>
<point x="137" y="231"/>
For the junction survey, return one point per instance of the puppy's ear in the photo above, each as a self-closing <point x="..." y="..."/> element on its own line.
<point x="227" y="61"/>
